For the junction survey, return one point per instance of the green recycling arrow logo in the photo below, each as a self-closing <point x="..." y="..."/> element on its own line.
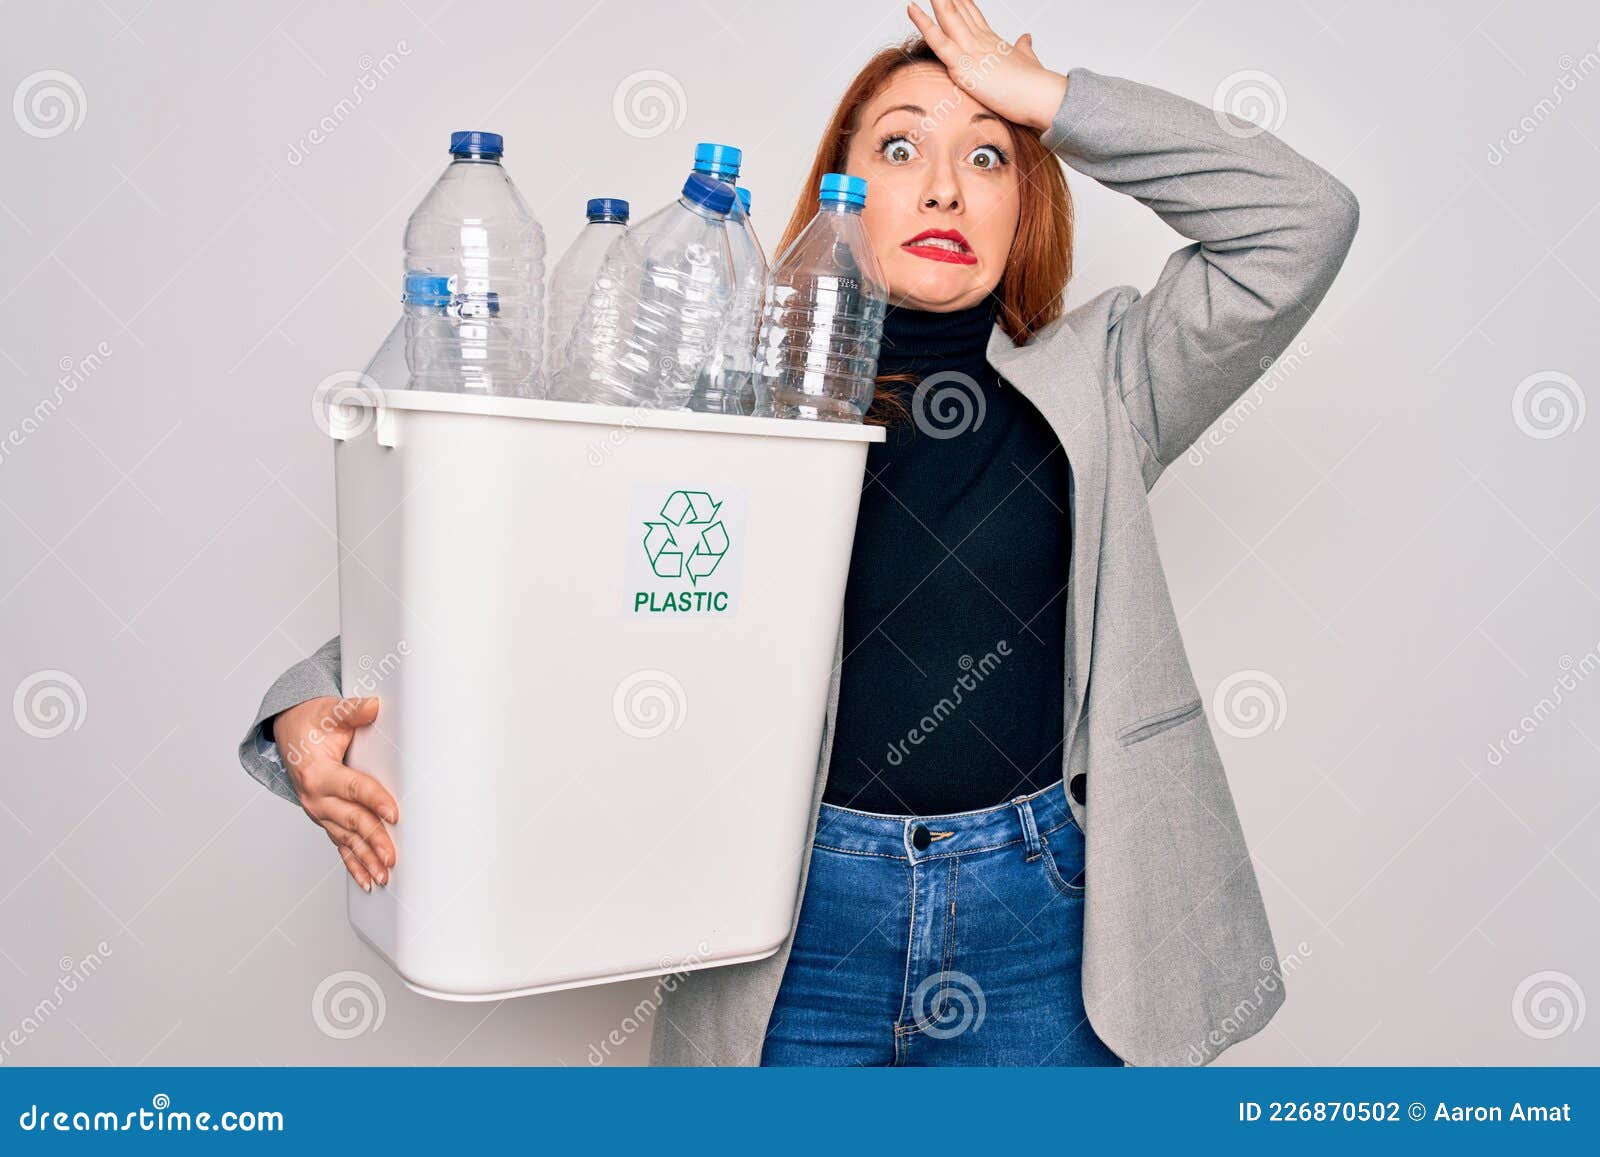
<point x="690" y="540"/>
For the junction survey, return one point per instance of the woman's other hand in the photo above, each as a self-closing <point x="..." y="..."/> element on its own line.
<point x="349" y="805"/>
<point x="1002" y="76"/>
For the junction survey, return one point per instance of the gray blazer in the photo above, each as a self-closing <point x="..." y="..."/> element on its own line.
<point x="1178" y="958"/>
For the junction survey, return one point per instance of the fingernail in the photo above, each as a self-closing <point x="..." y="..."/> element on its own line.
<point x="389" y="815"/>
<point x="367" y="886"/>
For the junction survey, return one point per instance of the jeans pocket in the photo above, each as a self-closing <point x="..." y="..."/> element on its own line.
<point x="1064" y="861"/>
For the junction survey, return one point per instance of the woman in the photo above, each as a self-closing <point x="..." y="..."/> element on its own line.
<point x="961" y="903"/>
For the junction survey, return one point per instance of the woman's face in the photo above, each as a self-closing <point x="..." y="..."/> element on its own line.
<point x="936" y="163"/>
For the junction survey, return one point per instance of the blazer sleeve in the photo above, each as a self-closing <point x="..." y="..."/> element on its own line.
<point x="311" y="678"/>
<point x="1269" y="228"/>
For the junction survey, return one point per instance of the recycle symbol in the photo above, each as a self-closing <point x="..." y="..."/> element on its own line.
<point x="690" y="540"/>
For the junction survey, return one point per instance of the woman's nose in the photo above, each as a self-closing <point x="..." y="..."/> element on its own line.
<point x="940" y="191"/>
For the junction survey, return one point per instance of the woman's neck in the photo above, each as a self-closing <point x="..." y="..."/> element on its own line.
<point x="921" y="335"/>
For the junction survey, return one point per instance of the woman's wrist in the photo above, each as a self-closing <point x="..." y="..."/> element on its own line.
<point x="1052" y="91"/>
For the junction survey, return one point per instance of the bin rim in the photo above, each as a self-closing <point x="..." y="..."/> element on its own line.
<point x="433" y="401"/>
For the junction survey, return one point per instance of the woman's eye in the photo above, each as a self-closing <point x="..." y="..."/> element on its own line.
<point x="898" y="150"/>
<point x="986" y="157"/>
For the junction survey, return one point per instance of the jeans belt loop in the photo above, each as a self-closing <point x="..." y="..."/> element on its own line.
<point x="1030" y="830"/>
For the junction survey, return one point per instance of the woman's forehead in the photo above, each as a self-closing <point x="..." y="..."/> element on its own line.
<point x="925" y="93"/>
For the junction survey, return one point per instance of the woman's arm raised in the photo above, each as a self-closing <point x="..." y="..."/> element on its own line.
<point x="1270" y="231"/>
<point x="1270" y="228"/>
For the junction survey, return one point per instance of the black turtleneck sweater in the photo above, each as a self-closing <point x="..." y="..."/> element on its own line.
<point x="955" y="612"/>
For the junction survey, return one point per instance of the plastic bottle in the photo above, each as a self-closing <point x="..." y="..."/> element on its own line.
<point x="823" y="315"/>
<point x="657" y="306"/>
<point x="475" y="230"/>
<point x="574" y="276"/>
<point x="388" y="370"/>
<point x="725" y="384"/>
<point x="744" y="393"/>
<point x="439" y="332"/>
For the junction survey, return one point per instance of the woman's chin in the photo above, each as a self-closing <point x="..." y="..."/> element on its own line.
<point x="919" y="283"/>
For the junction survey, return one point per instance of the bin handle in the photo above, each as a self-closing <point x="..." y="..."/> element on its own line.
<point x="348" y="404"/>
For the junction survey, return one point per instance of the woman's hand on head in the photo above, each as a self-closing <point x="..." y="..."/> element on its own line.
<point x="349" y="805"/>
<point x="1002" y="76"/>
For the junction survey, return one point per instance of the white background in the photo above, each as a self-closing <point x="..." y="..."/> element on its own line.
<point x="1381" y="535"/>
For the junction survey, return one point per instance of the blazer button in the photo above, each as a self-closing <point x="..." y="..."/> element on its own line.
<point x="1079" y="787"/>
<point x="920" y="838"/>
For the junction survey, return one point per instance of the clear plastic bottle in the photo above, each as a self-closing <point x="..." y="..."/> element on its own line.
<point x="441" y="332"/>
<point x="388" y="370"/>
<point x="743" y="395"/>
<point x="474" y="229"/>
<point x="657" y="306"/>
<point x="724" y="385"/>
<point x="823" y="318"/>
<point x="573" y="279"/>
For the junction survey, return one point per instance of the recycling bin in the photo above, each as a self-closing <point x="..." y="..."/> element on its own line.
<point x="602" y="640"/>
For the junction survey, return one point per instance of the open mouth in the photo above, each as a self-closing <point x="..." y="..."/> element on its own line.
<point x="941" y="245"/>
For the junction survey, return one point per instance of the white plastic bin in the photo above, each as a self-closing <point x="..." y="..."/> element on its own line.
<point x="601" y="639"/>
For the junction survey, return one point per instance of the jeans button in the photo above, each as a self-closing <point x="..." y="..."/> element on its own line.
<point x="920" y="838"/>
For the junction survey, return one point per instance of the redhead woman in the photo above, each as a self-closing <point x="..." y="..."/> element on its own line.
<point x="1023" y="847"/>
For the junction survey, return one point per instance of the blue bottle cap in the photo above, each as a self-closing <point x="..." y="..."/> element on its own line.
<point x="475" y="143"/>
<point x="607" y="209"/>
<point x="426" y="289"/>
<point x="842" y="188"/>
<point x="744" y="198"/>
<point x="718" y="160"/>
<point x="708" y="191"/>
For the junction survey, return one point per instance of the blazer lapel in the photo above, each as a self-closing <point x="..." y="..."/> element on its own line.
<point x="1075" y="408"/>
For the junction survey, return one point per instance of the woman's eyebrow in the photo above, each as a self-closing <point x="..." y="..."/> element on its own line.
<point x="912" y="108"/>
<point x="920" y="111"/>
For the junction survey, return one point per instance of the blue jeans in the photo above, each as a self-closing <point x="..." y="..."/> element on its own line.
<point x="940" y="940"/>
